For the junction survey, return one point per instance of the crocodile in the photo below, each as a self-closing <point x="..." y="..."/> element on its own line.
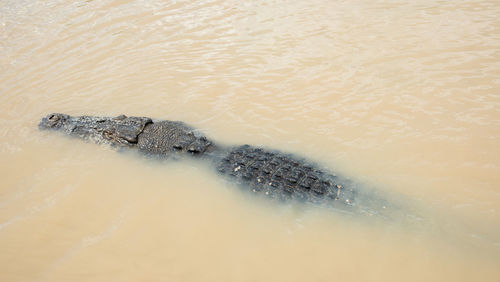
<point x="270" y="173"/>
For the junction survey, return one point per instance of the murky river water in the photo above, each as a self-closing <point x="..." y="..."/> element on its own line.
<point x="400" y="95"/>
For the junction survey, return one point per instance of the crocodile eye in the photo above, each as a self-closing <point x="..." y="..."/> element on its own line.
<point x="53" y="118"/>
<point x="194" y="150"/>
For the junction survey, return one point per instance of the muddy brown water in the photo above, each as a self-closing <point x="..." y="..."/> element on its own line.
<point x="400" y="95"/>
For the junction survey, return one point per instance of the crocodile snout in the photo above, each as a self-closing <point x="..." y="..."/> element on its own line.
<point x="52" y="121"/>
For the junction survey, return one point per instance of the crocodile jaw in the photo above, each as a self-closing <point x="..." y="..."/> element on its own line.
<point x="119" y="131"/>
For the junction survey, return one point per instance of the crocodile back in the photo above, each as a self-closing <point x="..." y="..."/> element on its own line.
<point x="279" y="175"/>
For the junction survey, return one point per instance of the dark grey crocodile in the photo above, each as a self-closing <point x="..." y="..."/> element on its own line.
<point x="268" y="172"/>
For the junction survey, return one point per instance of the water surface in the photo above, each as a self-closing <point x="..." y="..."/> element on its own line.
<point x="400" y="96"/>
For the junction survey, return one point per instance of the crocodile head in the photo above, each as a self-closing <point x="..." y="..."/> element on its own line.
<point x="121" y="130"/>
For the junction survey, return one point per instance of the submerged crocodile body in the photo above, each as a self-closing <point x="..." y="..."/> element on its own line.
<point x="268" y="172"/>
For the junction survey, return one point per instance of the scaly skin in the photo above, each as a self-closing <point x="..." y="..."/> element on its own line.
<point x="166" y="137"/>
<point x="119" y="131"/>
<point x="270" y="173"/>
<point x="282" y="176"/>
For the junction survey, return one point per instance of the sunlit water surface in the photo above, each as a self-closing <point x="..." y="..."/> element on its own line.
<point x="403" y="96"/>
